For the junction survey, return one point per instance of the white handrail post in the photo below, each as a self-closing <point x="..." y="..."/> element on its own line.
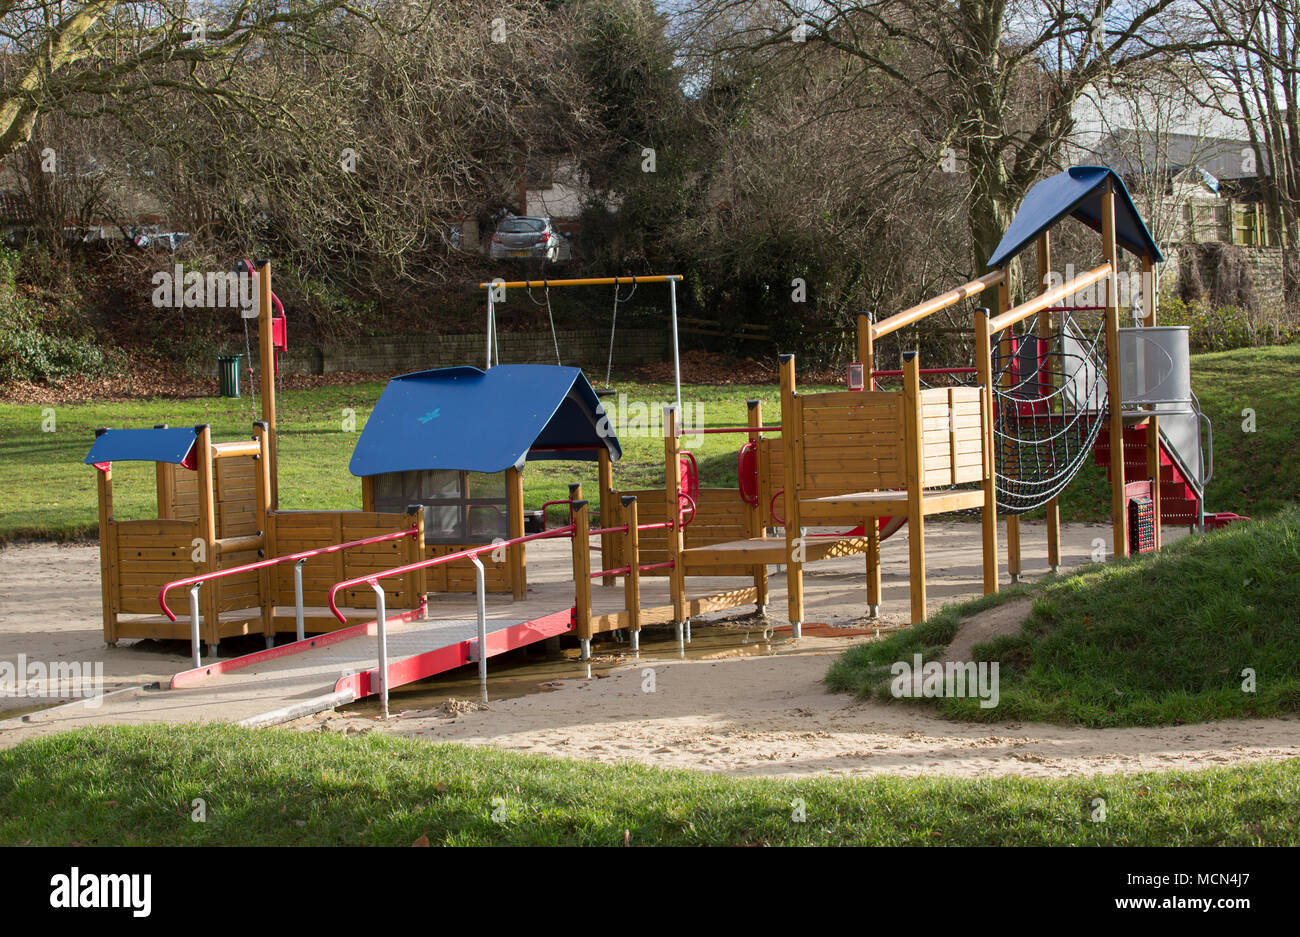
<point x="381" y="621"/>
<point x="677" y="365"/>
<point x="297" y="596"/>
<point x="480" y="588"/>
<point x="196" y="644"/>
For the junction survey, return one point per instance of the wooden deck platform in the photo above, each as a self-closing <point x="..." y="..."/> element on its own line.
<point x="769" y="551"/>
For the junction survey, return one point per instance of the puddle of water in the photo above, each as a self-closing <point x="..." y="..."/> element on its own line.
<point x="529" y="670"/>
<point x="20" y="711"/>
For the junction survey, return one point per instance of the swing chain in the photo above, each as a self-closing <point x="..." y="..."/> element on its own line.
<point x="613" y="325"/>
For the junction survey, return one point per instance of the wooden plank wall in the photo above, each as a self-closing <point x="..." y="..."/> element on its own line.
<point x="298" y="531"/>
<point x="951" y="441"/>
<point x="235" y="503"/>
<point x="850" y="441"/>
<point x="721" y="517"/>
<point x="236" y="495"/>
<point x="459" y="576"/>
<point x="150" y="554"/>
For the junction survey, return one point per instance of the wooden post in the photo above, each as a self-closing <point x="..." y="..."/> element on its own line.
<point x="267" y="360"/>
<point x="581" y="569"/>
<point x="989" y="514"/>
<point x="794" y="544"/>
<point x="1009" y="380"/>
<point x="165" y="483"/>
<point x="210" y="593"/>
<point x="1114" y="391"/>
<point x="368" y="493"/>
<point x="757" y="528"/>
<point x="675" y="511"/>
<point x="419" y="579"/>
<point x="516" y="560"/>
<point x="107" y="549"/>
<point x="632" y="557"/>
<point x="913" y="429"/>
<point x="1047" y="333"/>
<point x="266" y="578"/>
<point x="1154" y="469"/>
<point x="866" y="350"/>
<point x="608" y="514"/>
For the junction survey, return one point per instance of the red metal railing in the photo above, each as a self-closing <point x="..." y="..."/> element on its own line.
<point x="373" y="578"/>
<point x="925" y="371"/>
<point x="275" y="561"/>
<point x="736" y="429"/>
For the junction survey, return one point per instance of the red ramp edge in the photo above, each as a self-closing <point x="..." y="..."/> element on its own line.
<point x="456" y="655"/>
<point x="199" y="674"/>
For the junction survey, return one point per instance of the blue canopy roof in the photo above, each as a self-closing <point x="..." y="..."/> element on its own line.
<point x="1076" y="192"/>
<point x="142" y="445"/>
<point x="469" y="420"/>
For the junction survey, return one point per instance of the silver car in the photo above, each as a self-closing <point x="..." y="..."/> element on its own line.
<point x="528" y="237"/>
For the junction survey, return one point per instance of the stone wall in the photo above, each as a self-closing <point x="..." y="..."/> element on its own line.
<point x="1265" y="269"/>
<point x="401" y="354"/>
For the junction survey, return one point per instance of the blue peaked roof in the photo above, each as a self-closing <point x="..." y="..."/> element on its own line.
<point x="142" y="445"/>
<point x="469" y="420"/>
<point x="1076" y="192"/>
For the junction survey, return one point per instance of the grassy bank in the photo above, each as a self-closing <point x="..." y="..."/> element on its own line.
<point x="46" y="491"/>
<point x="137" y="785"/>
<point x="1160" y="639"/>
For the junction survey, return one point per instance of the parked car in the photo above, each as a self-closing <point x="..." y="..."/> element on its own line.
<point x="152" y="237"/>
<point x="528" y="237"/>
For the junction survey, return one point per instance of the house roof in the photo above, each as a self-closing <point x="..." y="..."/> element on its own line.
<point x="465" y="419"/>
<point x="1077" y="192"/>
<point x="144" y="445"/>
<point x="1129" y="151"/>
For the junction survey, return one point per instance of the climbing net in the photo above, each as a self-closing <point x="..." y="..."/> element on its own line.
<point x="1049" y="401"/>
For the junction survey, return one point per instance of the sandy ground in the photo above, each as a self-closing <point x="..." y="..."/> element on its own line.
<point x="772" y="716"/>
<point x="767" y="715"/>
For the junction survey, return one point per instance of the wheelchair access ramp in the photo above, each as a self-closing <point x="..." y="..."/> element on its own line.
<point x="318" y="673"/>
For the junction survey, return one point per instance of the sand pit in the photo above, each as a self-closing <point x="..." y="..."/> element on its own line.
<point x="758" y="715"/>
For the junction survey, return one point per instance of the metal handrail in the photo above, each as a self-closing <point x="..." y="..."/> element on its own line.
<point x="195" y="582"/>
<point x="372" y="578"/>
<point x="275" y="561"/>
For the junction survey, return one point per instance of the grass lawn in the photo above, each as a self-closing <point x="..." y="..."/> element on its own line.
<point x="1158" y="639"/>
<point x="136" y="785"/>
<point x="47" y="492"/>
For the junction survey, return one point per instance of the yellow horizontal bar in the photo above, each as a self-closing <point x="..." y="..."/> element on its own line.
<point x="588" y="281"/>
<point x="930" y="306"/>
<point x="1050" y="298"/>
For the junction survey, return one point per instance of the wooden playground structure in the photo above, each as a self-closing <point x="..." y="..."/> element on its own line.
<point x="442" y="502"/>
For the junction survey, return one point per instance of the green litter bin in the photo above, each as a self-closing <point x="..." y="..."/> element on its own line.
<point x="228" y="370"/>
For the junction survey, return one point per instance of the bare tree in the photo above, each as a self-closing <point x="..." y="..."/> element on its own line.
<point x="108" y="55"/>
<point x="1262" y="68"/>
<point x="994" y="82"/>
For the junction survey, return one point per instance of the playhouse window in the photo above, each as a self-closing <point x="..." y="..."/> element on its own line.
<point x="460" y="507"/>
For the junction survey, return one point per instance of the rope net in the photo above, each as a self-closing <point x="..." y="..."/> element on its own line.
<point x="1049" y="402"/>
